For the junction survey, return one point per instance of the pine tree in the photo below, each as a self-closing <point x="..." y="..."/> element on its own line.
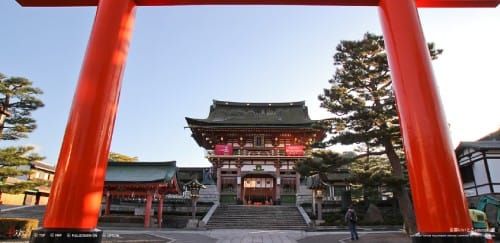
<point x="321" y="162"/>
<point x="18" y="98"/>
<point x="363" y="102"/>
<point x="369" y="175"/>
<point x="14" y="162"/>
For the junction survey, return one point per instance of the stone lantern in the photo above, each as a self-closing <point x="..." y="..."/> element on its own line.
<point x="194" y="188"/>
<point x="316" y="185"/>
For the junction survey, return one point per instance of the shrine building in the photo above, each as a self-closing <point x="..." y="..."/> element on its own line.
<point x="253" y="148"/>
<point x="139" y="182"/>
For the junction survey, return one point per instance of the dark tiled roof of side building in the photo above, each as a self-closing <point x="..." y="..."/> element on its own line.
<point x="132" y="172"/>
<point x="492" y="136"/>
<point x="479" y="145"/>
<point x="256" y="114"/>
<point x="43" y="166"/>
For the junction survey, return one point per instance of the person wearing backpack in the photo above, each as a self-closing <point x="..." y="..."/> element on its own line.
<point x="351" y="219"/>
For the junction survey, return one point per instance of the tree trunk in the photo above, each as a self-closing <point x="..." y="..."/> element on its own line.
<point x="4" y="112"/>
<point x="2" y="121"/>
<point x="406" y="208"/>
<point x="402" y="194"/>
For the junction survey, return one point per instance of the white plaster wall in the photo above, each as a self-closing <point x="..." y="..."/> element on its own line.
<point x="479" y="173"/>
<point x="470" y="192"/>
<point x="496" y="188"/>
<point x="484" y="190"/>
<point x="494" y="166"/>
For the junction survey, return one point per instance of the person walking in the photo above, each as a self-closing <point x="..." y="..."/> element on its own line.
<point x="351" y="219"/>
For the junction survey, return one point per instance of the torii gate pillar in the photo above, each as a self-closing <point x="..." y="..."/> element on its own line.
<point x="73" y="208"/>
<point x="439" y="200"/>
<point x="74" y="204"/>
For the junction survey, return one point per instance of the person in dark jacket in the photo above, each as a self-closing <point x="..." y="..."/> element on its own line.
<point x="351" y="219"/>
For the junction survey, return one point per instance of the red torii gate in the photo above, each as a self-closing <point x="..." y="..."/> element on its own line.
<point x="72" y="211"/>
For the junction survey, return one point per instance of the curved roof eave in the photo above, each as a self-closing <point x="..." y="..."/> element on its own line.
<point x="193" y="122"/>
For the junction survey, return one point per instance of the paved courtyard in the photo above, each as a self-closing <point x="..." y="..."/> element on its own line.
<point x="152" y="235"/>
<point x="250" y="236"/>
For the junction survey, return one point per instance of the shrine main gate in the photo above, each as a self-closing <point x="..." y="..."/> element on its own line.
<point x="439" y="201"/>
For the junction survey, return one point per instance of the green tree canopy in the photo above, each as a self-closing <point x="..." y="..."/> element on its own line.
<point x="14" y="162"/>
<point x="369" y="175"/>
<point x="116" y="157"/>
<point x="18" y="99"/>
<point x="364" y="105"/>
<point x="321" y="162"/>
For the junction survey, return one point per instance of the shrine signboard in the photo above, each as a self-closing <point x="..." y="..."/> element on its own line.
<point x="224" y="149"/>
<point x="294" y="150"/>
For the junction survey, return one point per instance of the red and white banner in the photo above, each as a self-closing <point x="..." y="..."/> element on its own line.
<point x="223" y="149"/>
<point x="294" y="150"/>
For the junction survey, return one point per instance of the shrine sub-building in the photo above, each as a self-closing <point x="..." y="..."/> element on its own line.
<point x="253" y="148"/>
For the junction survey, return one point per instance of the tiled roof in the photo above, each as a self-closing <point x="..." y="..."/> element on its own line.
<point x="492" y="136"/>
<point x="43" y="165"/>
<point x="255" y="114"/>
<point x="123" y="172"/>
<point x="479" y="145"/>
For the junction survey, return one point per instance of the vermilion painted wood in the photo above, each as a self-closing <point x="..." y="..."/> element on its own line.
<point x="159" y="216"/>
<point x="76" y="191"/>
<point x="438" y="196"/>
<point x="75" y="197"/>
<point x="420" y="3"/>
<point x="147" y="213"/>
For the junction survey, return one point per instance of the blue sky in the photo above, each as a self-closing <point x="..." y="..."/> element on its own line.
<point x="181" y="58"/>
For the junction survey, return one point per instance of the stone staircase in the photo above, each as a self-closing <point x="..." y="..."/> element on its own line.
<point x="257" y="217"/>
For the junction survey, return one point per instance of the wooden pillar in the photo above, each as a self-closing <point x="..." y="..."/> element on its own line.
<point x="75" y="197"/>
<point x="240" y="180"/>
<point x="219" y="179"/>
<point x="277" y="193"/>
<point x="243" y="194"/>
<point x="37" y="199"/>
<point x="25" y="198"/>
<point x="320" y="208"/>
<point x="438" y="196"/>
<point x="76" y="192"/>
<point x="297" y="183"/>
<point x="313" y="201"/>
<point x="147" y="211"/>
<point x="160" y="210"/>
<point x="107" y="210"/>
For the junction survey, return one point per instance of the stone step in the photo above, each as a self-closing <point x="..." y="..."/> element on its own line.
<point x="266" y="227"/>
<point x="259" y="227"/>
<point x="256" y="226"/>
<point x="257" y="217"/>
<point x="257" y="221"/>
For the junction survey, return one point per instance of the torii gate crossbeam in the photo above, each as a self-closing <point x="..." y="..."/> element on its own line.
<point x="418" y="3"/>
<point x="437" y="191"/>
